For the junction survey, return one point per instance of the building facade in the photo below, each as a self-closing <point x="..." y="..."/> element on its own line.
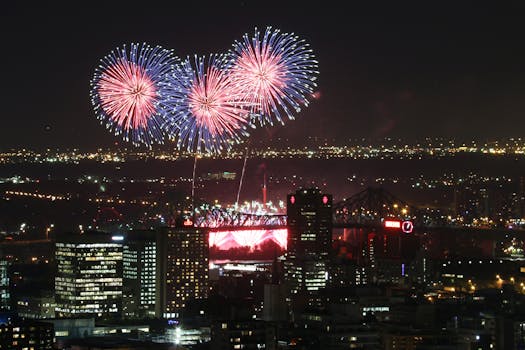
<point x="139" y="255"/>
<point x="89" y="275"/>
<point x="5" y="296"/>
<point x="182" y="272"/>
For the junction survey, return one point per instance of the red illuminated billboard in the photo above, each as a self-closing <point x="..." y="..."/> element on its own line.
<point x="225" y="240"/>
<point x="392" y="224"/>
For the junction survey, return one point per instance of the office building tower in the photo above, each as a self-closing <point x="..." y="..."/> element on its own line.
<point x="5" y="297"/>
<point x="89" y="275"/>
<point x="309" y="240"/>
<point x="182" y="273"/>
<point x="139" y="274"/>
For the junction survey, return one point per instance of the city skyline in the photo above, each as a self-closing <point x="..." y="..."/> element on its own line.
<point x="388" y="212"/>
<point x="385" y="71"/>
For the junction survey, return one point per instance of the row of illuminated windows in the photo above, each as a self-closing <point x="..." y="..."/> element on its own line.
<point x="89" y="298"/>
<point x="99" y="292"/>
<point x="90" y="252"/>
<point x="98" y="271"/>
<point x="76" y="285"/>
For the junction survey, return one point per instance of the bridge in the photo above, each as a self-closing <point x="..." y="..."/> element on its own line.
<point x="213" y="217"/>
<point x="364" y="209"/>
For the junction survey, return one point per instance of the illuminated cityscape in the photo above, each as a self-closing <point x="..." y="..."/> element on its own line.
<point x="262" y="175"/>
<point x="317" y="149"/>
<point x="397" y="244"/>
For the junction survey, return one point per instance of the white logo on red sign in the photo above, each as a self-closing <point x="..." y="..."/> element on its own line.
<point x="407" y="226"/>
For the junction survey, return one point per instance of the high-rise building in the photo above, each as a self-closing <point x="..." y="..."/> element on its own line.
<point x="5" y="297"/>
<point x="139" y="274"/>
<point x="309" y="240"/>
<point x="89" y="275"/>
<point x="182" y="272"/>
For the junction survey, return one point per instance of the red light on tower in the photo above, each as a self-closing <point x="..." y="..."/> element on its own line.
<point x="325" y="199"/>
<point x="392" y="224"/>
<point x="292" y="199"/>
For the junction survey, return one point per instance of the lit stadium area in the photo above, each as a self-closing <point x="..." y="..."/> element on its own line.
<point x="252" y="238"/>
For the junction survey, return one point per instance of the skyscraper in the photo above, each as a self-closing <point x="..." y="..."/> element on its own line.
<point x="139" y="256"/>
<point x="309" y="240"/>
<point x="182" y="268"/>
<point x="89" y="275"/>
<point x="5" y="298"/>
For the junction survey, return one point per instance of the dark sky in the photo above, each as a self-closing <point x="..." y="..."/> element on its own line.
<point x="406" y="69"/>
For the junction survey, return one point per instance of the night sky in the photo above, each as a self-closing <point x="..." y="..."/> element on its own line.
<point x="407" y="69"/>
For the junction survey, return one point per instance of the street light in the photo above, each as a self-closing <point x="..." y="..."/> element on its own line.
<point x="48" y="229"/>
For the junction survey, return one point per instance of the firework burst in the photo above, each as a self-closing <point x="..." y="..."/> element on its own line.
<point x="203" y="111"/>
<point x="275" y="72"/>
<point x="125" y="92"/>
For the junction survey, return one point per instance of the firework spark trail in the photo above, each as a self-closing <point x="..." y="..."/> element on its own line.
<point x="193" y="188"/>
<point x="275" y="73"/>
<point x="242" y="177"/>
<point x="125" y="91"/>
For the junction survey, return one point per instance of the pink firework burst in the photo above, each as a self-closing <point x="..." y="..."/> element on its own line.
<point x="260" y="75"/>
<point x="127" y="95"/>
<point x="212" y="102"/>
<point x="275" y="71"/>
<point x="204" y="111"/>
<point x="125" y="92"/>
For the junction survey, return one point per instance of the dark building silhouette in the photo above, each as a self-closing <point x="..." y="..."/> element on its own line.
<point x="20" y="334"/>
<point x="309" y="240"/>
